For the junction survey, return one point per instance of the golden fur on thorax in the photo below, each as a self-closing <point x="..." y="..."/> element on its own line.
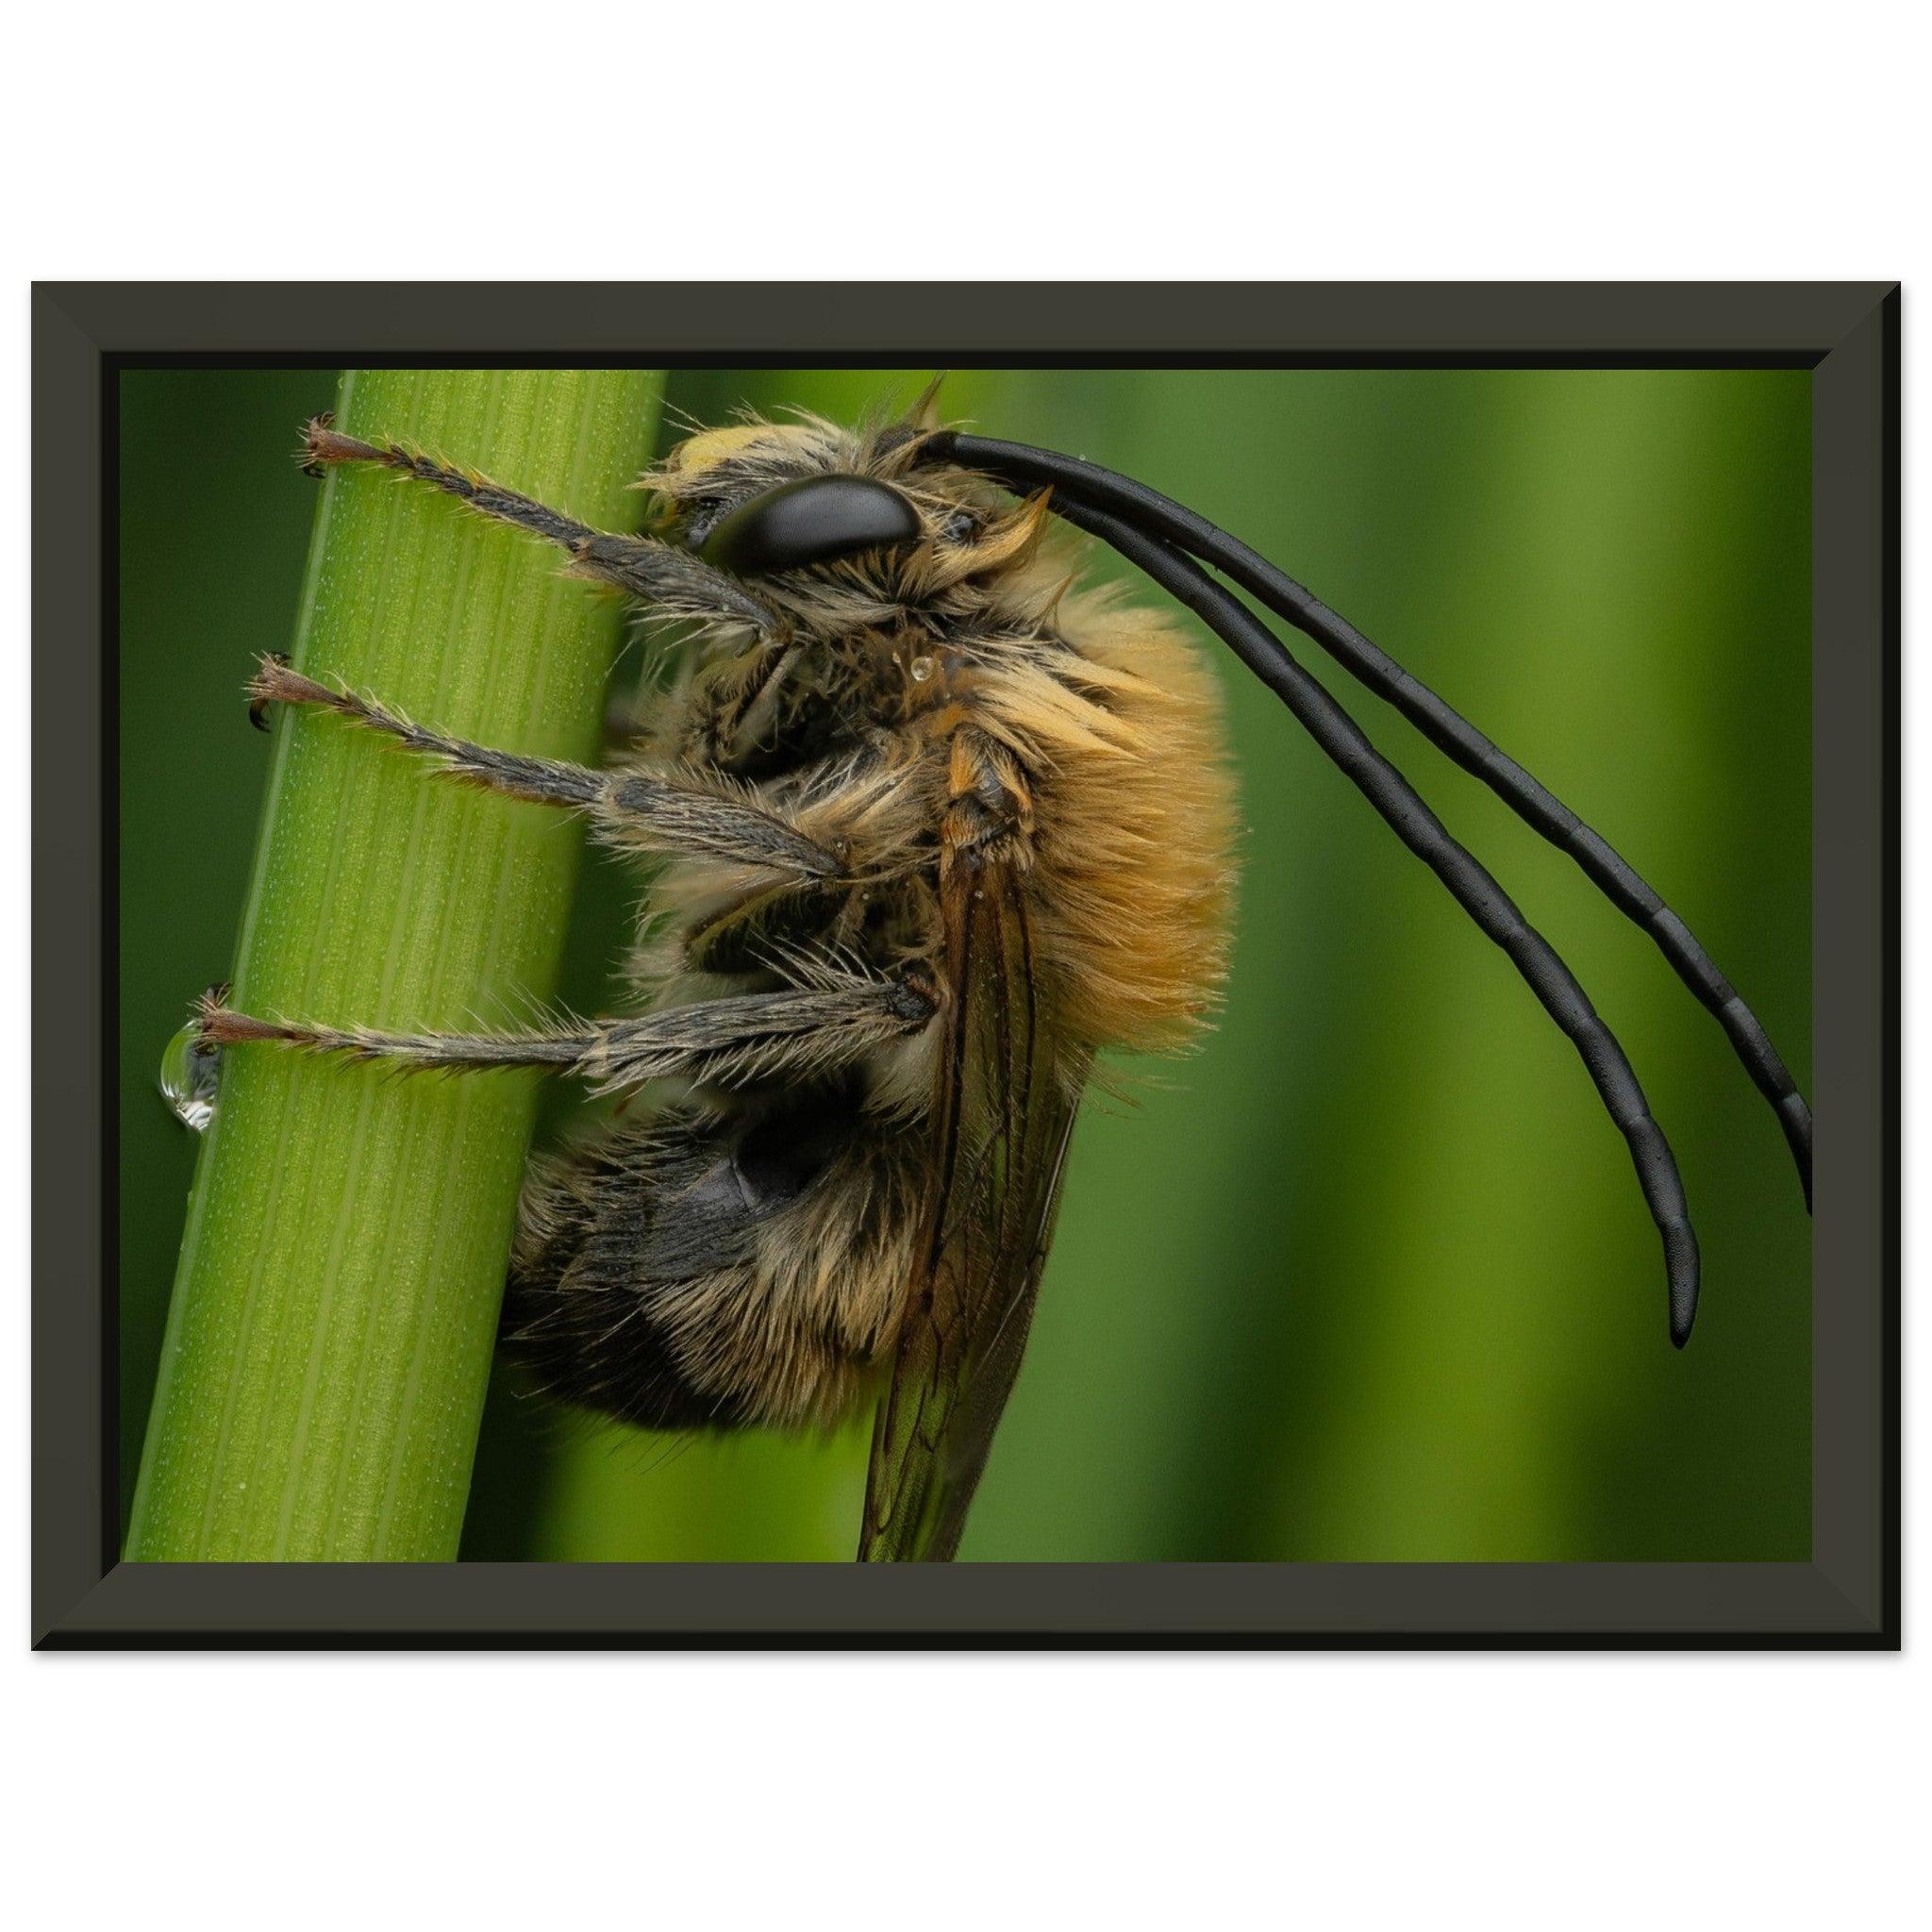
<point x="1106" y="708"/>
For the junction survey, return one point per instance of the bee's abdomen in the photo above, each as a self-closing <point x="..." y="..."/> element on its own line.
<point x="597" y="1347"/>
<point x="737" y="1265"/>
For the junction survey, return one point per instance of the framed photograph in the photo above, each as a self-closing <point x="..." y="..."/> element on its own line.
<point x="1136" y="966"/>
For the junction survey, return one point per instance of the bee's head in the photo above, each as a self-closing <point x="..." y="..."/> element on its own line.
<point x="760" y="499"/>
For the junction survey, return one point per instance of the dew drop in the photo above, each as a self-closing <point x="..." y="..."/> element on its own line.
<point x="921" y="670"/>
<point x="190" y="1075"/>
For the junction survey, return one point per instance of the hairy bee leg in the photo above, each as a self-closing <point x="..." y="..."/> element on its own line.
<point x="627" y="807"/>
<point x="664" y="574"/>
<point x="753" y="1036"/>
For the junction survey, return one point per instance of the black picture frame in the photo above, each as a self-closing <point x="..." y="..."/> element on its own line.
<point x="1847" y="1596"/>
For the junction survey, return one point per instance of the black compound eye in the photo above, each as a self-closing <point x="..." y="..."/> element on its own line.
<point x="810" y="521"/>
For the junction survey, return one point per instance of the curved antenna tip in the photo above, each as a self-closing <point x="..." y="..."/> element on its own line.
<point x="1683" y="1267"/>
<point x="1683" y="1304"/>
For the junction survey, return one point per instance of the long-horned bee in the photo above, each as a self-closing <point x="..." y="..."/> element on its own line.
<point x="932" y="827"/>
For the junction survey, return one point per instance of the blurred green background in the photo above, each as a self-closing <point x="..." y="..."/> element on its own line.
<point x="1369" y="1276"/>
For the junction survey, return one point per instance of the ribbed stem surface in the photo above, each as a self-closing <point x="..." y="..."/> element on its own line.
<point x="336" y="1300"/>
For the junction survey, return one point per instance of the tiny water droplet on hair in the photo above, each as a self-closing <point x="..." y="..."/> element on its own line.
<point x="921" y="670"/>
<point x="189" y="1078"/>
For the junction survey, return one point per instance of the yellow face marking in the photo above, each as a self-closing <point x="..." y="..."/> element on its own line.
<point x="711" y="446"/>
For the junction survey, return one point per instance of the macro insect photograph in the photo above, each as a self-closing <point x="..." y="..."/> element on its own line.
<point x="1152" y="964"/>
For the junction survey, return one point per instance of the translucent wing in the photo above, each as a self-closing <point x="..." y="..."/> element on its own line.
<point x="1006" y="1109"/>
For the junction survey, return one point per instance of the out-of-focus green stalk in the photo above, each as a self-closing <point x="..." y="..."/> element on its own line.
<point x="335" y="1299"/>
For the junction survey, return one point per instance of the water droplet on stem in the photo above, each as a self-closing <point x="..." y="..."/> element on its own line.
<point x="191" y="1072"/>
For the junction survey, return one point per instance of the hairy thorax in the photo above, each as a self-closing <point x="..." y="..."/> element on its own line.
<point x="970" y="699"/>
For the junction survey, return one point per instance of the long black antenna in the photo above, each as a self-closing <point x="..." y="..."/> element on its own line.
<point x="1471" y="886"/>
<point x="1022" y="467"/>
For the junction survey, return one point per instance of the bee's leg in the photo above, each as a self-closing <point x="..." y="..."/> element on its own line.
<point x="665" y="575"/>
<point x="731" y="1041"/>
<point x="628" y="808"/>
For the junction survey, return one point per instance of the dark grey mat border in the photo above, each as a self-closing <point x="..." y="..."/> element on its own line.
<point x="1111" y="1604"/>
<point x="1847" y="1597"/>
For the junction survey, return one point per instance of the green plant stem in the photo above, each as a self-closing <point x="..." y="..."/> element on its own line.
<point x="335" y="1299"/>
